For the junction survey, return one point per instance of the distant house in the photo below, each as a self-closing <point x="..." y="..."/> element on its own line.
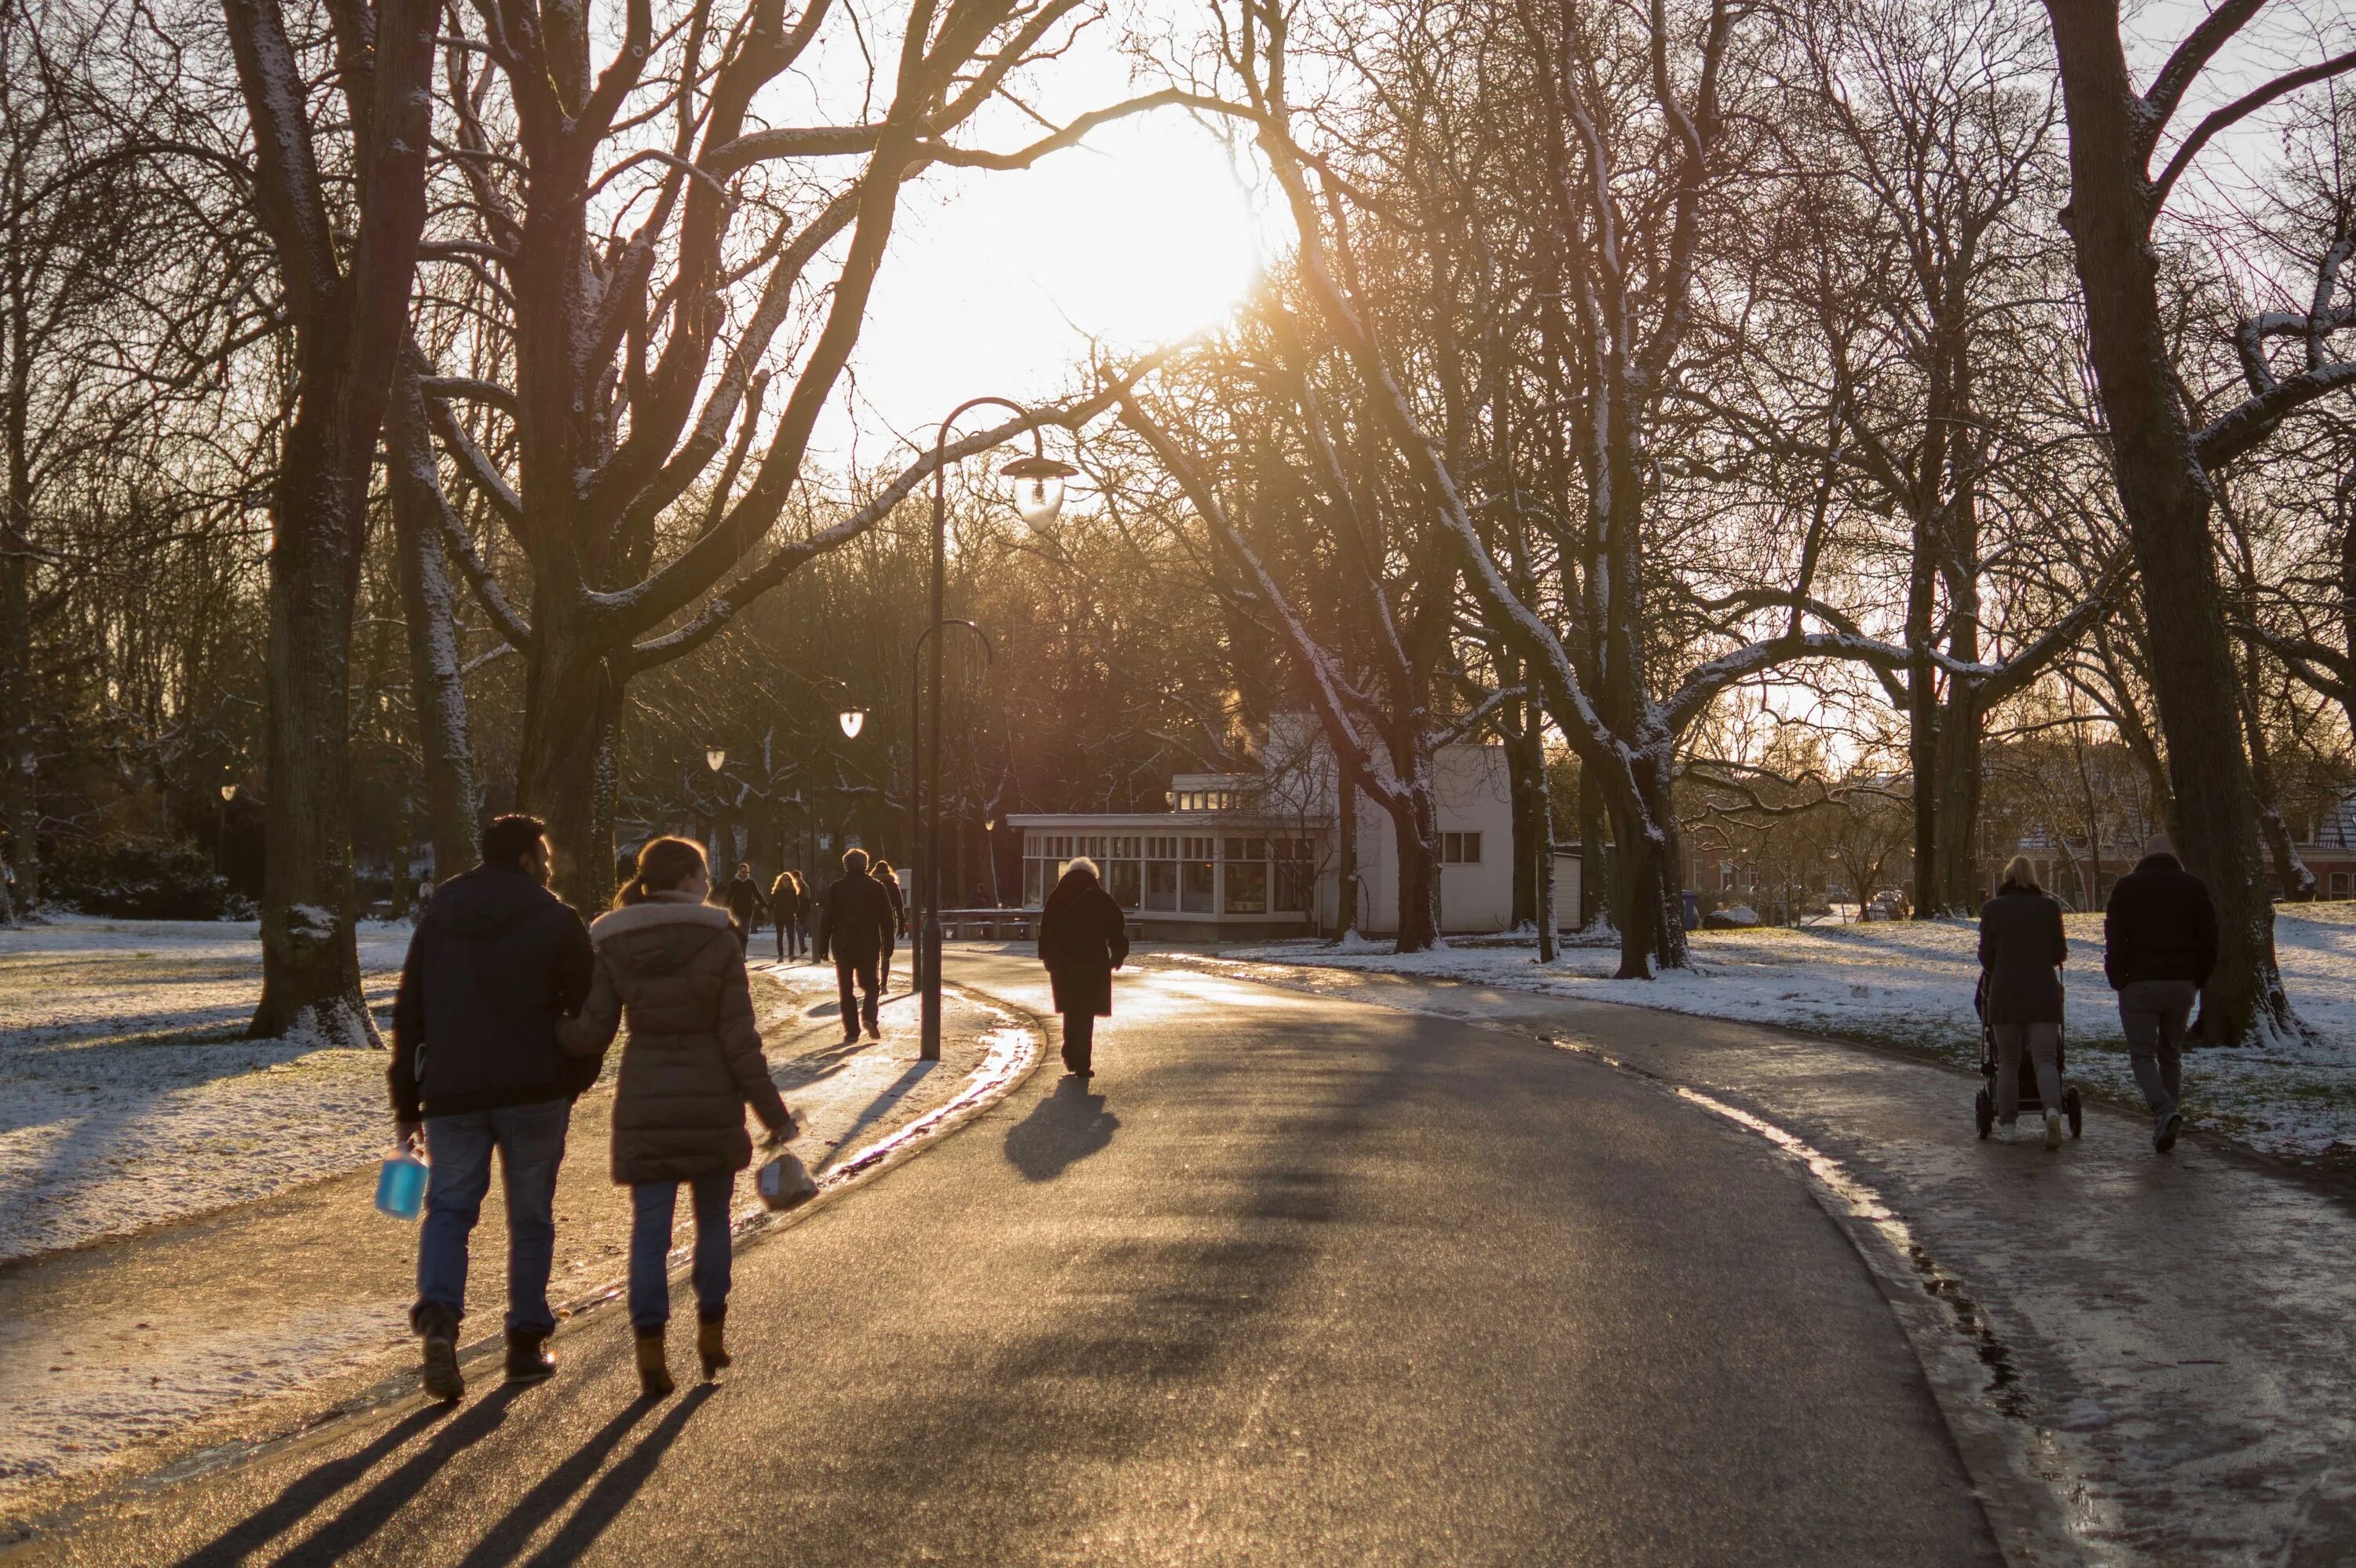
<point x="1248" y="855"/>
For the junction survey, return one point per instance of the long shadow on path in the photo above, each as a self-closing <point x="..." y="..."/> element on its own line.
<point x="1066" y="1127"/>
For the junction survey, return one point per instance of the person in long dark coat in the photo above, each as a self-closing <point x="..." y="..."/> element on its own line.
<point x="743" y="904"/>
<point x="1083" y="938"/>
<point x="2022" y="949"/>
<point x="855" y="928"/>
<point x="786" y="909"/>
<point x="2159" y="947"/>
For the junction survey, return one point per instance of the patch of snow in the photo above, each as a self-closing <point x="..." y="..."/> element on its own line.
<point x="129" y="1095"/>
<point x="1909" y="984"/>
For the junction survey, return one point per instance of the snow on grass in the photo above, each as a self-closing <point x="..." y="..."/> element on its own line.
<point x="129" y="1096"/>
<point x="1909" y="984"/>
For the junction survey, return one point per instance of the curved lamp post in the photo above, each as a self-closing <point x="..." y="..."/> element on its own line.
<point x="1038" y="497"/>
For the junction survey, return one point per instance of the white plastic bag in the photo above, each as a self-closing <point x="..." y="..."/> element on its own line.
<point x="785" y="1183"/>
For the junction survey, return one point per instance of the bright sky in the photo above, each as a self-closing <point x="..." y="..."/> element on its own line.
<point x="996" y="282"/>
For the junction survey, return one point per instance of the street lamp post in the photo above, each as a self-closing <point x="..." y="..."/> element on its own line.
<point x="916" y="688"/>
<point x="220" y="838"/>
<point x="1038" y="497"/>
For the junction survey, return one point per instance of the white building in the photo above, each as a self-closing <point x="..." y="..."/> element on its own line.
<point x="1249" y="856"/>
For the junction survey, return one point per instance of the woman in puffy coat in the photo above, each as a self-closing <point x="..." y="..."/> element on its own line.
<point x="1083" y="938"/>
<point x="2022" y="950"/>
<point x="669" y="961"/>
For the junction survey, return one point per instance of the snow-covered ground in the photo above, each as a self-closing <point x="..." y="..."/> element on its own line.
<point x="1909" y="984"/>
<point x="128" y="1095"/>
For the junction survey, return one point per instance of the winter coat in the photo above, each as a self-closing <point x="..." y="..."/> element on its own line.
<point x="745" y="900"/>
<point x="2022" y="950"/>
<point x="496" y="962"/>
<point x="2160" y="925"/>
<point x="785" y="901"/>
<point x="693" y="1060"/>
<point x="1083" y="938"/>
<point x="854" y="921"/>
<point x="891" y="886"/>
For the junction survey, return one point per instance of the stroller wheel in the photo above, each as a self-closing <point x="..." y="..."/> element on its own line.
<point x="1984" y="1111"/>
<point x="2073" y="1110"/>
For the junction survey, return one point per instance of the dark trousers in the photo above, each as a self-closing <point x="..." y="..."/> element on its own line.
<point x="1080" y="1042"/>
<point x="863" y="971"/>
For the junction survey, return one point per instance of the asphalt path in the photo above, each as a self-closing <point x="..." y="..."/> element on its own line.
<point x="1297" y="1280"/>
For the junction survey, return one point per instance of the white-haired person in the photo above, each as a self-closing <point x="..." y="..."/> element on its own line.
<point x="1083" y="938"/>
<point x="2022" y="949"/>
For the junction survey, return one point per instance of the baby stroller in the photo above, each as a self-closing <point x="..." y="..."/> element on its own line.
<point x="1984" y="1104"/>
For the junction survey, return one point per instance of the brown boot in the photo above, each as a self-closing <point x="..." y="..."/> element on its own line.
<point x="709" y="1345"/>
<point x="654" y="1376"/>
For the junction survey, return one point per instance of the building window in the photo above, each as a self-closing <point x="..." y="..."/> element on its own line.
<point x="2339" y="884"/>
<point x="1162" y="884"/>
<point x="1247" y="887"/>
<point x="1124" y="883"/>
<point x="1296" y="876"/>
<point x="1196" y="876"/>
<point x="1460" y="848"/>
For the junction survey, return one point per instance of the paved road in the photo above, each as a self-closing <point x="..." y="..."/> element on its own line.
<point x="1303" y="1281"/>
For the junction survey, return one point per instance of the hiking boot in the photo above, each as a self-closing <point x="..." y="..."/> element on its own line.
<point x="2165" y="1138"/>
<point x="528" y="1358"/>
<point x="442" y="1378"/>
<point x="654" y="1376"/>
<point x="2053" y="1129"/>
<point x="711" y="1346"/>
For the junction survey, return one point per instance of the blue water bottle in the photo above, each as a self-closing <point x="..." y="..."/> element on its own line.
<point x="400" y="1186"/>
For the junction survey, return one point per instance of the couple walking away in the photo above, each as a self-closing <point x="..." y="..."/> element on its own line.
<point x="506" y="1009"/>
<point x="2159" y="947"/>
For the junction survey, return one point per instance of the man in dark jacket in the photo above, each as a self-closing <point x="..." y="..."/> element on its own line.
<point x="2159" y="947"/>
<point x="496" y="962"/>
<point x="743" y="904"/>
<point x="855" y="927"/>
<point x="1083" y="938"/>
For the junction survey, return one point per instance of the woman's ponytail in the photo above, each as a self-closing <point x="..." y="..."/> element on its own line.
<point x="663" y="864"/>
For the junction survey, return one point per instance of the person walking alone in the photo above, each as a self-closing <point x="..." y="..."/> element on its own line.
<point x="668" y="960"/>
<point x="889" y="880"/>
<point x="786" y="909"/>
<point x="744" y="905"/>
<point x="2022" y="949"/>
<point x="496" y="963"/>
<point x="2159" y="947"/>
<point x="1083" y="938"/>
<point x="854" y="925"/>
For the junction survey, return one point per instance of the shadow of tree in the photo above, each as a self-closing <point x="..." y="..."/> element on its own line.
<point x="1066" y="1126"/>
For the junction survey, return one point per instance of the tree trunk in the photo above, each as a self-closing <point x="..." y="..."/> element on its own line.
<point x="1413" y="830"/>
<point x="2291" y="876"/>
<point x="1596" y="893"/>
<point x="20" y="813"/>
<point x="1524" y="778"/>
<point x="1345" y="868"/>
<point x="1649" y="903"/>
<point x="2166" y="499"/>
<point x="1958" y="813"/>
<point x="439" y="693"/>
<point x="564" y="768"/>
<point x="1542" y="811"/>
<point x="310" y="955"/>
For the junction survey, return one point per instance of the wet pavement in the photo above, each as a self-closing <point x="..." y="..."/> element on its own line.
<point x="234" y="1326"/>
<point x="1295" y="1280"/>
<point x="2166" y="1345"/>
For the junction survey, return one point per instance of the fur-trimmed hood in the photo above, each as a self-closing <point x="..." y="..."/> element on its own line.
<point x="661" y="909"/>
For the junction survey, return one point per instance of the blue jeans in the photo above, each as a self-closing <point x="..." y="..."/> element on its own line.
<point x="530" y="1141"/>
<point x="654" y="1202"/>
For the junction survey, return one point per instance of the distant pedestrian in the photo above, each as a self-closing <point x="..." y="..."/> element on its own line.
<point x="668" y="960"/>
<point x="785" y="909"/>
<point x="854" y="926"/>
<point x="889" y="880"/>
<point x="2022" y="949"/>
<point x="1083" y="938"/>
<point x="496" y="963"/>
<point x="2159" y="947"/>
<point x="744" y="905"/>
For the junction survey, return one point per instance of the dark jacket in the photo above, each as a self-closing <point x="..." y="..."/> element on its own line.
<point x="785" y="901"/>
<point x="2160" y="925"/>
<point x="2022" y="950"/>
<point x="1083" y="938"/>
<point x="854" y="921"/>
<point x="891" y="886"/>
<point x="745" y="900"/>
<point x="496" y="962"/>
<point x="693" y="1060"/>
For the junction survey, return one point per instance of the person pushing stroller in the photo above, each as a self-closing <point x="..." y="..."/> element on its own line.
<point x="2022" y="950"/>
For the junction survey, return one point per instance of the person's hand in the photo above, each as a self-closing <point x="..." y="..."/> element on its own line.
<point x="408" y="1136"/>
